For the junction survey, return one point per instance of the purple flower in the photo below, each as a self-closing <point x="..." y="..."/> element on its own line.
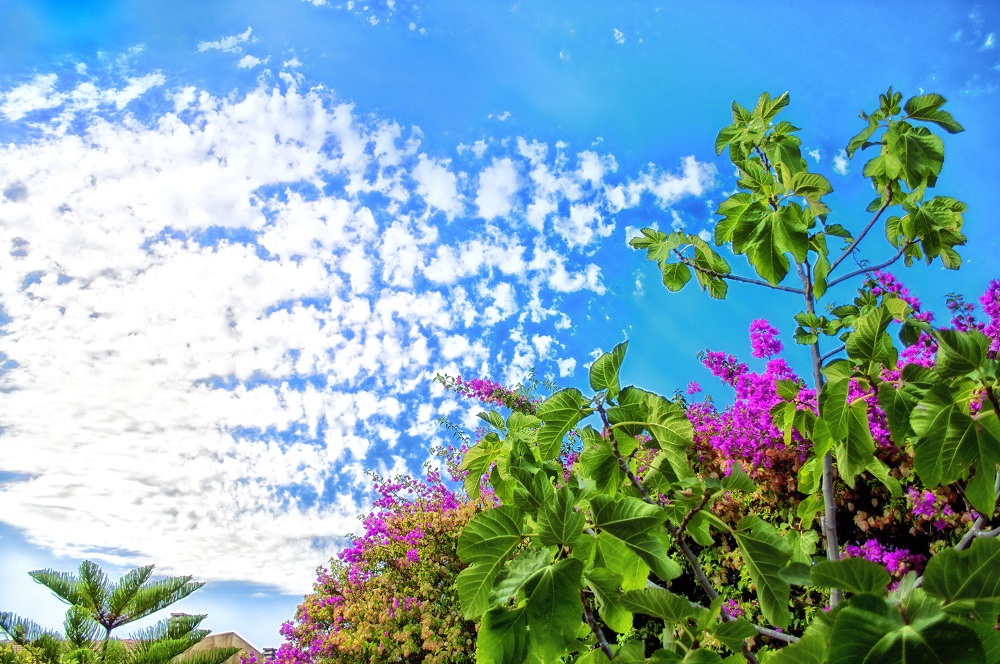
<point x="763" y="341"/>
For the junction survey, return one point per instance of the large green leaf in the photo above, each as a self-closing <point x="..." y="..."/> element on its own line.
<point x="675" y="276"/>
<point x="479" y="458"/>
<point x="959" y="352"/>
<point x="768" y="107"/>
<point x="640" y="527"/>
<point x="606" y="586"/>
<point x="855" y="575"/>
<point x="521" y="567"/>
<point x="920" y="153"/>
<point x="604" y="370"/>
<point x="833" y="406"/>
<point x="559" y="413"/>
<point x="671" y="430"/>
<point x="659" y="602"/>
<point x="785" y="150"/>
<point x="871" y="637"/>
<point x="947" y="438"/>
<point x="861" y="137"/>
<point x="733" y="633"/>
<point x="854" y="453"/>
<point x="553" y="608"/>
<point x="971" y="574"/>
<point x="981" y="490"/>
<point x="765" y="552"/>
<point x="811" y="186"/>
<point x="559" y="523"/>
<point x="897" y="405"/>
<point x="928" y="108"/>
<point x="612" y="554"/>
<point x="502" y="637"/>
<point x="599" y="463"/>
<point x="810" y="649"/>
<point x="711" y="268"/>
<point x="738" y="211"/>
<point x="869" y="341"/>
<point x="485" y="544"/>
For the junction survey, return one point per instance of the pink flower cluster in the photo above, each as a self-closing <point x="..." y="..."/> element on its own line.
<point x="991" y="307"/>
<point x="897" y="561"/>
<point x="493" y="393"/>
<point x="745" y="431"/>
<point x="887" y="284"/>
<point x="925" y="506"/>
<point x="764" y="341"/>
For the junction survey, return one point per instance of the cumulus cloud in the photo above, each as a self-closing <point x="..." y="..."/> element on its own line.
<point x="220" y="313"/>
<point x="841" y="163"/>
<point x="231" y="44"/>
<point x="249" y="62"/>
<point x="438" y="186"/>
<point x="497" y="185"/>
<point x="39" y="94"/>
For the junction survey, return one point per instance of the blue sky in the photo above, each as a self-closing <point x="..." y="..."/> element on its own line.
<point x="242" y="237"/>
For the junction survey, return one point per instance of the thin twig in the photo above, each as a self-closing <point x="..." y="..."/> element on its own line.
<point x="906" y="245"/>
<point x="595" y="626"/>
<point x="734" y="277"/>
<point x="861" y="236"/>
<point x="690" y="515"/>
<point x="833" y="352"/>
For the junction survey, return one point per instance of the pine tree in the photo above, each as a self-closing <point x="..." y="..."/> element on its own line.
<point x="98" y="606"/>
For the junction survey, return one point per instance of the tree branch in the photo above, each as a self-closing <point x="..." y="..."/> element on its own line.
<point x="829" y="519"/>
<point x="977" y="527"/>
<point x="850" y="249"/>
<point x="833" y="352"/>
<point x="690" y="515"/>
<point x="595" y="627"/>
<point x="887" y="263"/>
<point x="734" y="277"/>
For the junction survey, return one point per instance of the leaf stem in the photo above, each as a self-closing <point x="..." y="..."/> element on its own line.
<point x="887" y="263"/>
<point x="690" y="515"/>
<point x="734" y="277"/>
<point x="850" y="249"/>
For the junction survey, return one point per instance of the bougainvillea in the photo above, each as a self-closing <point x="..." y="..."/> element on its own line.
<point x="390" y="595"/>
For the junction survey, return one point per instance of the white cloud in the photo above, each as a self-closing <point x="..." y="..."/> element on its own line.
<point x="566" y="367"/>
<point x="37" y="95"/>
<point x="438" y="186"/>
<point x="840" y="163"/>
<point x="249" y="62"/>
<point x="989" y="43"/>
<point x="814" y="153"/>
<point x="619" y="36"/>
<point x="498" y="184"/>
<point x="231" y="44"/>
<point x="695" y="179"/>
